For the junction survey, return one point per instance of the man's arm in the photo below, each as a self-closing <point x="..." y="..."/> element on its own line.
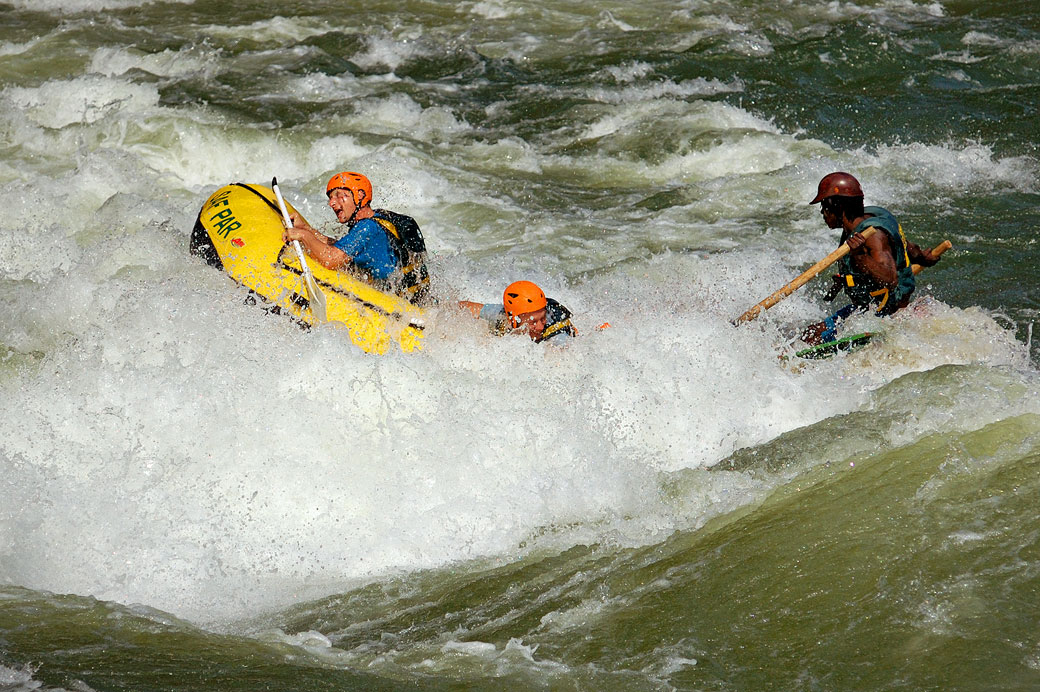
<point x="474" y="308"/>
<point x="873" y="256"/>
<point x="316" y="245"/>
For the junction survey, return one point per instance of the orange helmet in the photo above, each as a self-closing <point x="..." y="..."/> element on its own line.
<point x="522" y="297"/>
<point x="359" y="186"/>
<point x="841" y="184"/>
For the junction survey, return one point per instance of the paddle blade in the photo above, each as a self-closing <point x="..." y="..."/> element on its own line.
<point x="314" y="294"/>
<point x="317" y="298"/>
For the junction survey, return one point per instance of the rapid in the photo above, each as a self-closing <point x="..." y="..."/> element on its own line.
<point x="196" y="495"/>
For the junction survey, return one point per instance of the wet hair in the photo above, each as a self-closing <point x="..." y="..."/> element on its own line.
<point x="844" y="206"/>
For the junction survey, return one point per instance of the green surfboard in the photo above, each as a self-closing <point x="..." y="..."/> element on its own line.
<point x="826" y="350"/>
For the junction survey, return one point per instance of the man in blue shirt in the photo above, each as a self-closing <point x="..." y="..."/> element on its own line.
<point x="385" y="247"/>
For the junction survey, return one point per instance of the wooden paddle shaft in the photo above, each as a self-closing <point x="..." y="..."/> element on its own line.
<point x="802" y="279"/>
<point x="814" y="271"/>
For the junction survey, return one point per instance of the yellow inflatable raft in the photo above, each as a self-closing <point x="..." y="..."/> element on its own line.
<point x="239" y="230"/>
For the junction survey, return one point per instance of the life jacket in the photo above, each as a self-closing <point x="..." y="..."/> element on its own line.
<point x="863" y="290"/>
<point x="407" y="242"/>
<point x="557" y="321"/>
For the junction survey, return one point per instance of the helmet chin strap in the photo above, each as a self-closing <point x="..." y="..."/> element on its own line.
<point x="357" y="208"/>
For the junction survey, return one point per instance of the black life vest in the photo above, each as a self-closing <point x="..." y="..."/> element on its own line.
<point x="557" y="321"/>
<point x="407" y="241"/>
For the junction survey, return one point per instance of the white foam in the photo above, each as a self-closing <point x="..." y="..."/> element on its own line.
<point x="952" y="167"/>
<point x="493" y="9"/>
<point x="277" y="29"/>
<point x="77" y="6"/>
<point x="382" y="51"/>
<point x="87" y="99"/>
<point x="12" y="48"/>
<point x="401" y="114"/>
<point x="666" y="89"/>
<point x="887" y="13"/>
<point x="740" y="144"/>
<point x="113" y="61"/>
<point x="483" y="649"/>
<point x="20" y="680"/>
<point x="323" y="88"/>
<point x="624" y="74"/>
<point x="1012" y="45"/>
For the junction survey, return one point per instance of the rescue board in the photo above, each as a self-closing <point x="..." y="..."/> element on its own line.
<point x="239" y="231"/>
<point x="828" y="349"/>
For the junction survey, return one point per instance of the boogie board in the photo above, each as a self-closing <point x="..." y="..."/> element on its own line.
<point x="828" y="349"/>
<point x="239" y="230"/>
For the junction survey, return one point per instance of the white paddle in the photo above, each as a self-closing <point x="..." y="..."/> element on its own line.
<point x="314" y="294"/>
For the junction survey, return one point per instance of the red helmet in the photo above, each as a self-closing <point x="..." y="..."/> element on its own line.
<point x="841" y="184"/>
<point x="359" y="186"/>
<point x="520" y="298"/>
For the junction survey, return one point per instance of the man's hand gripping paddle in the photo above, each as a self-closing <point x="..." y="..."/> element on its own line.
<point x="314" y="294"/>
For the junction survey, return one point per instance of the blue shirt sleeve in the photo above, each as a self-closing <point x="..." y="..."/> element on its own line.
<point x="368" y="247"/>
<point x="493" y="312"/>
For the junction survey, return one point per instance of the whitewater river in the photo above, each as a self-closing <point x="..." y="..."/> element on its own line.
<point x="195" y="495"/>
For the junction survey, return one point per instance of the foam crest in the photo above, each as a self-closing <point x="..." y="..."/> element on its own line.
<point x="507" y="153"/>
<point x="386" y="52"/>
<point x="20" y="679"/>
<point x="323" y="88"/>
<point x="692" y="119"/>
<point x="886" y="13"/>
<point x="1013" y="47"/>
<point x="400" y="114"/>
<point x="930" y="332"/>
<point x="691" y="142"/>
<point x="954" y="168"/>
<point x="85" y="100"/>
<point x="493" y="9"/>
<point x="277" y="29"/>
<point x="667" y="89"/>
<point x="262" y="487"/>
<point x="11" y="48"/>
<point x="75" y="193"/>
<point x="113" y="62"/>
<point x="203" y="156"/>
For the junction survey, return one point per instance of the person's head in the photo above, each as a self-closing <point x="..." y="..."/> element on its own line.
<point x="840" y="197"/>
<point x="524" y="304"/>
<point x="348" y="192"/>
